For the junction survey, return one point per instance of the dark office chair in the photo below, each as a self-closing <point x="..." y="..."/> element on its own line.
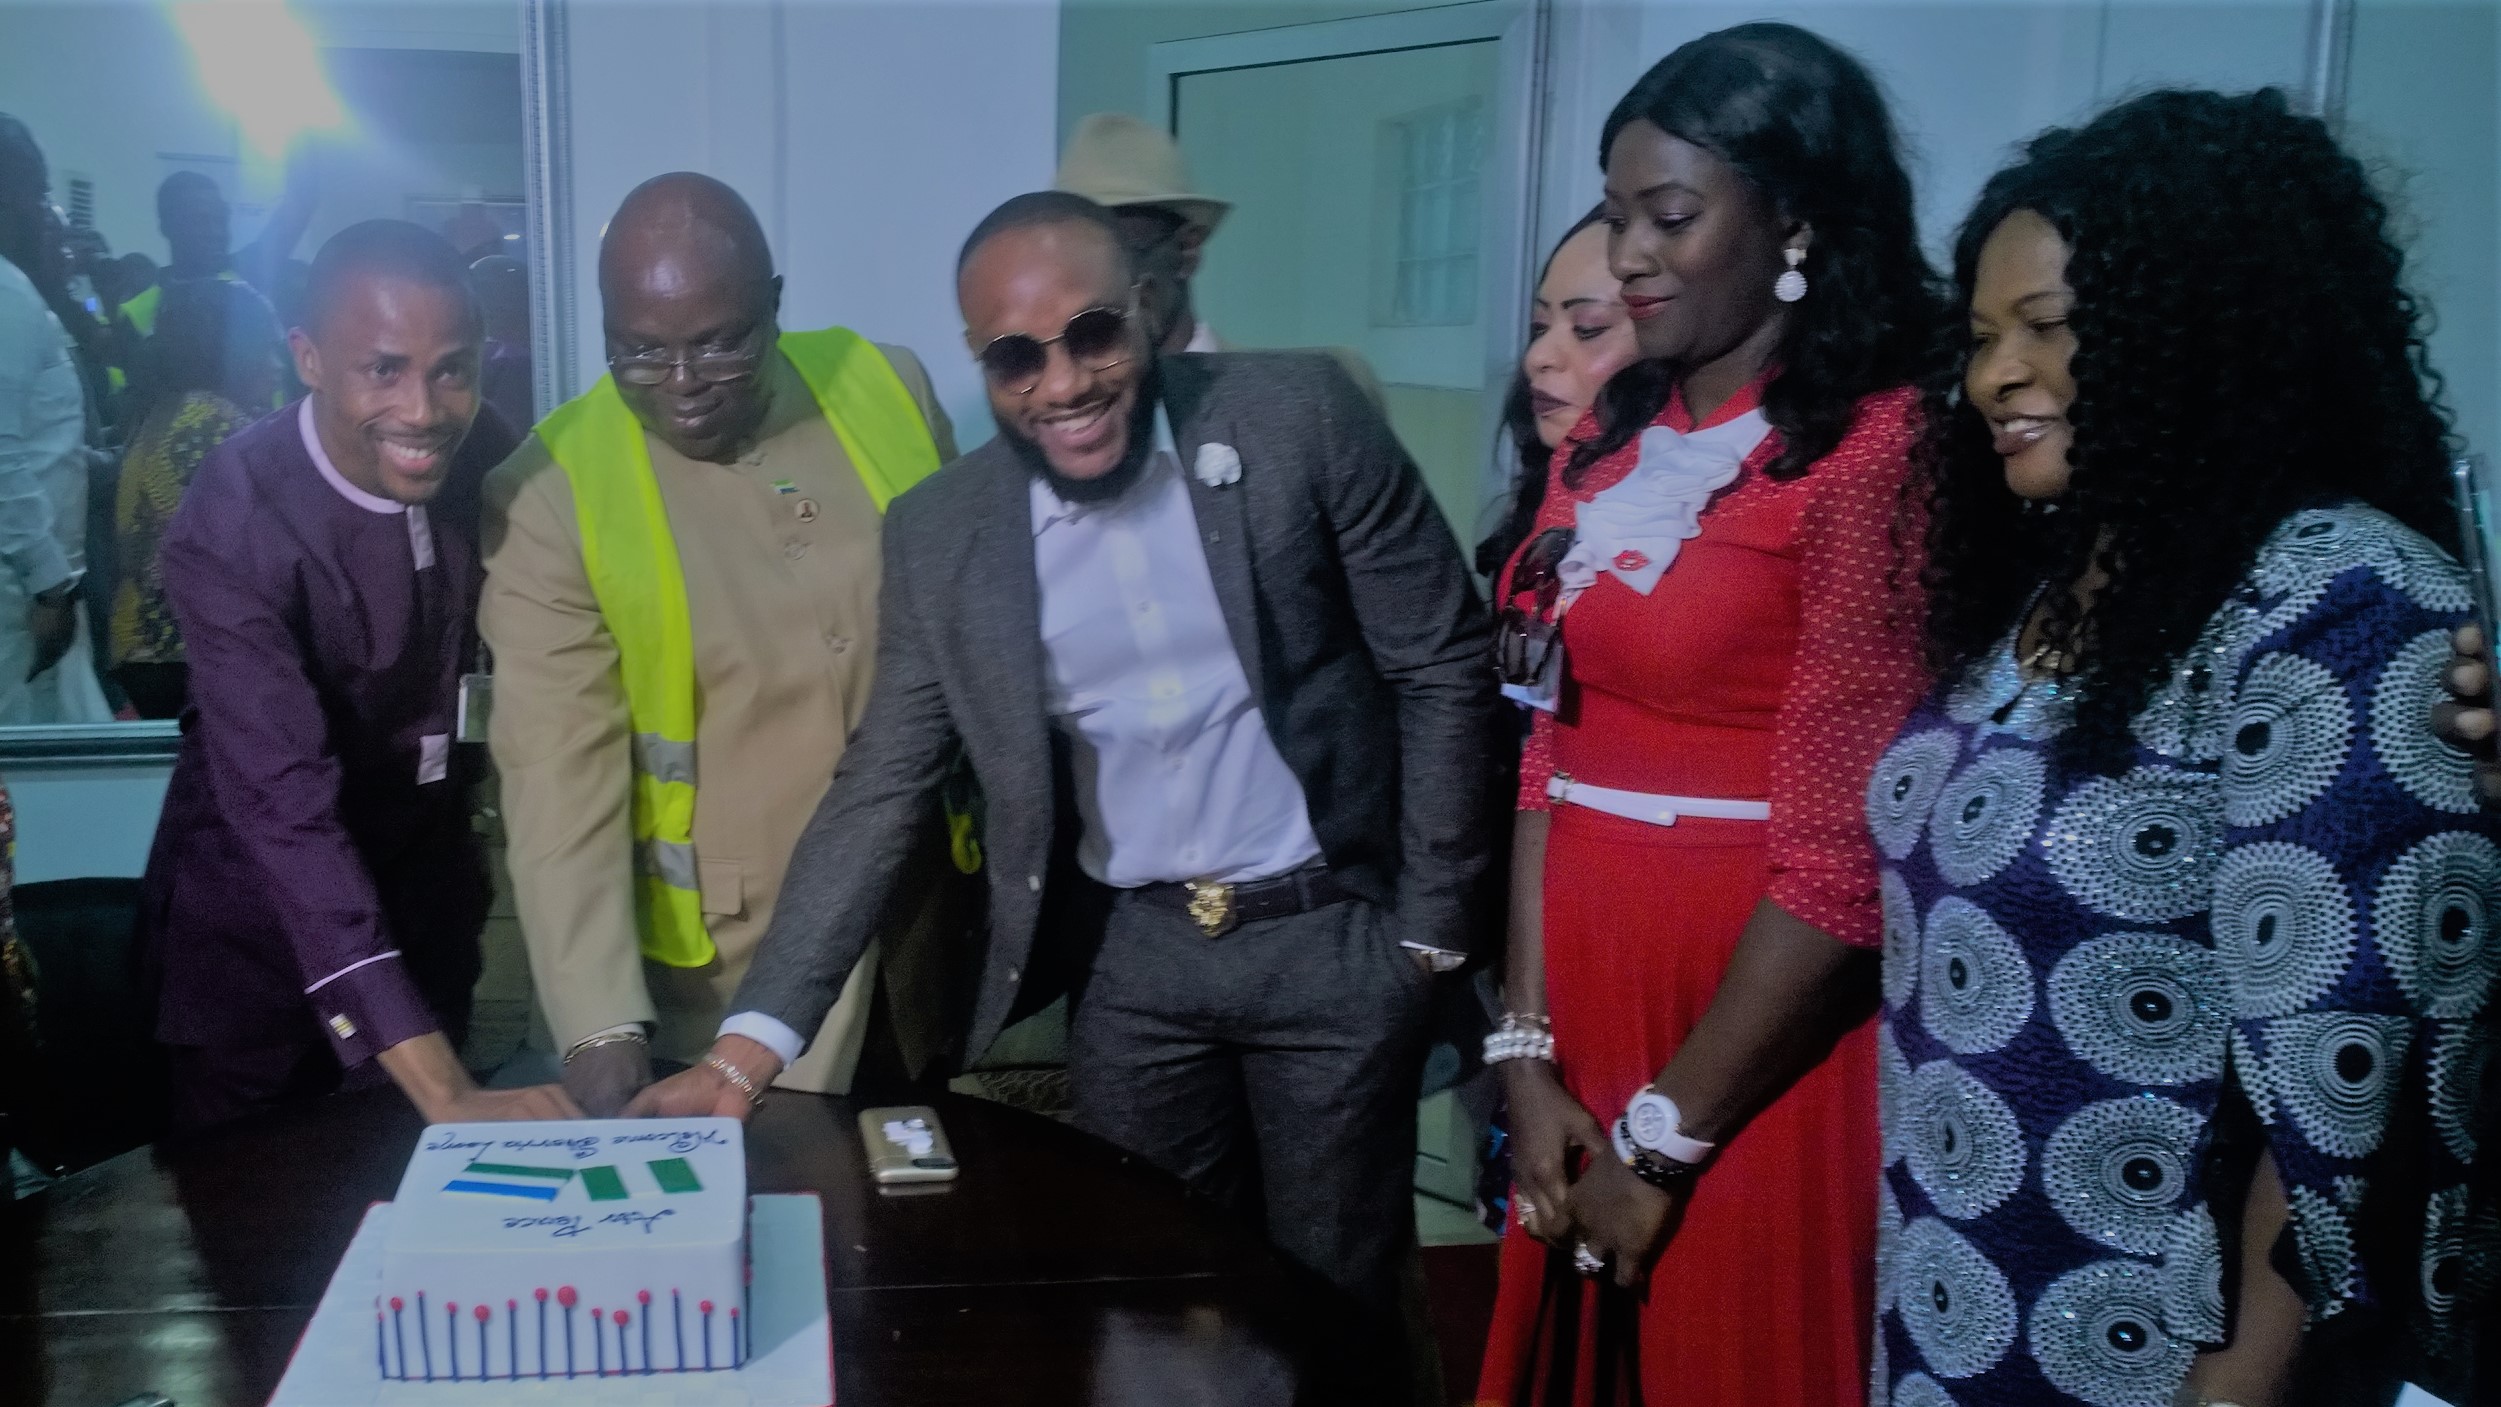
<point x="100" y="1080"/>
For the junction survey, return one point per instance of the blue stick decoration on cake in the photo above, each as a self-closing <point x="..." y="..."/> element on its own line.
<point x="425" y="1340"/>
<point x="599" y="1344"/>
<point x="512" y="1335"/>
<point x="737" y="1345"/>
<point x="566" y="1298"/>
<point x="399" y="1341"/>
<point x="542" y="1333"/>
<point x="707" y="1335"/>
<point x="381" y="1359"/>
<point x="451" y="1336"/>
<point x="643" y="1298"/>
<point x="677" y="1322"/>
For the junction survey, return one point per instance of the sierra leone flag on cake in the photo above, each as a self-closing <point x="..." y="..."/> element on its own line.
<point x="600" y="1182"/>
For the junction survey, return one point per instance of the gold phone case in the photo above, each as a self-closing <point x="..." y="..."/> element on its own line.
<point x="906" y="1143"/>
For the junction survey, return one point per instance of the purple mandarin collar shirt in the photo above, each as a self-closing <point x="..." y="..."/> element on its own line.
<point x="315" y="861"/>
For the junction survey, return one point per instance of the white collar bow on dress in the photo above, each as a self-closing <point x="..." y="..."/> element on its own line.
<point x="1635" y="528"/>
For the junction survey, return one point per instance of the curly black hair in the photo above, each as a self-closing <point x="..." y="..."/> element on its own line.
<point x="2244" y="348"/>
<point x="1519" y="431"/>
<point x="1803" y="123"/>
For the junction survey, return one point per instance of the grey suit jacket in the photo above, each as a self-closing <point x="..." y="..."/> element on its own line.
<point x="1345" y="596"/>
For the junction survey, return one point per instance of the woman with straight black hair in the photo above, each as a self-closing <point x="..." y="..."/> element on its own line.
<point x="1710" y="619"/>
<point x="1578" y="338"/>
<point x="2190" y="921"/>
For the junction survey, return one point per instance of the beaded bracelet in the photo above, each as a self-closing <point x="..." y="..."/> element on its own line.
<point x="1520" y="1037"/>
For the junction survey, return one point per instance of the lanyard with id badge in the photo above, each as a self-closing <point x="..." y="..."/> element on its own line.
<point x="477" y="699"/>
<point x="1528" y="640"/>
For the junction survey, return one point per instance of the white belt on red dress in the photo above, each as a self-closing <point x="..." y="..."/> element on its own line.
<point x="1652" y="808"/>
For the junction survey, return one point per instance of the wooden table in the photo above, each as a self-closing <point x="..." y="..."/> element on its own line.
<point x="1055" y="1270"/>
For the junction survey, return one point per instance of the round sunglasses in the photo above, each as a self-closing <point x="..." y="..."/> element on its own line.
<point x="1097" y="339"/>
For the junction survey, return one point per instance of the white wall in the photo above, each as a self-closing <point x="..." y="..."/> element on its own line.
<point x="869" y="138"/>
<point x="2424" y="99"/>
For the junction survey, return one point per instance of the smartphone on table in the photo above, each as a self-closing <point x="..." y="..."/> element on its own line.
<point x="906" y="1143"/>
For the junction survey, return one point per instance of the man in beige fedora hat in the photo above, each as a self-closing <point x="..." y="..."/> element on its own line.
<point x="1134" y="170"/>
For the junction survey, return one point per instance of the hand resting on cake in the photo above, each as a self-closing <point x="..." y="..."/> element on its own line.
<point x="430" y="1075"/>
<point x="709" y="1088"/>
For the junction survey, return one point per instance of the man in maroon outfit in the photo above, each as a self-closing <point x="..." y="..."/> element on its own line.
<point x="315" y="892"/>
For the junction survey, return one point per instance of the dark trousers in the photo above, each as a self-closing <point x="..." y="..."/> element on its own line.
<point x="1275" y="1070"/>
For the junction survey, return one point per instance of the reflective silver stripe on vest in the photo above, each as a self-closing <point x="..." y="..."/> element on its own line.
<point x="672" y="861"/>
<point x="663" y="759"/>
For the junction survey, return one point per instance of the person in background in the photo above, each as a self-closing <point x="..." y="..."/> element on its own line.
<point x="314" y="896"/>
<point x="192" y="214"/>
<point x="1136" y="172"/>
<point x="25" y="1104"/>
<point x="682" y="570"/>
<point x="502" y="286"/>
<point x="1203" y="608"/>
<point x="133" y="274"/>
<point x="2190" y="923"/>
<point x="214" y="357"/>
<point x="46" y="673"/>
<point x="1709" y="621"/>
<point x="1579" y="336"/>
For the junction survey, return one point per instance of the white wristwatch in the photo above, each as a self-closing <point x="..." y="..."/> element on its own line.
<point x="1653" y="1122"/>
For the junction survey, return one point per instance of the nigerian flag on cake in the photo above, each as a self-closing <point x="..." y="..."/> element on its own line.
<point x="552" y="1250"/>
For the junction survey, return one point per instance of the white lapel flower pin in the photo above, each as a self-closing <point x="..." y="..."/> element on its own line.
<point x="1217" y="466"/>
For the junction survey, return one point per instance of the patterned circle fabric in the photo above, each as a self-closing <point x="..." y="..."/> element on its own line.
<point x="2143" y="1008"/>
<point x="2275" y="922"/>
<point x="1904" y="787"/>
<point x="1975" y="987"/>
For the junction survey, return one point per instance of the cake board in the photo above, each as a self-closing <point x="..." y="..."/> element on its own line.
<point x="791" y="1363"/>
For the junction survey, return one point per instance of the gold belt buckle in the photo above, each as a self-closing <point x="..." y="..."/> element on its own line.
<point x="1211" y="906"/>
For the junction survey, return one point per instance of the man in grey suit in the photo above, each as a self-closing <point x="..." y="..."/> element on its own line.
<point x="1218" y="667"/>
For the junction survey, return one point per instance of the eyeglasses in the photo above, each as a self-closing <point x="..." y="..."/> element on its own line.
<point x="1097" y="339"/>
<point x="716" y="367"/>
<point x="1526" y="641"/>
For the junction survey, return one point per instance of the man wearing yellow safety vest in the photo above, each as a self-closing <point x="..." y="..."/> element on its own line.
<point x="682" y="572"/>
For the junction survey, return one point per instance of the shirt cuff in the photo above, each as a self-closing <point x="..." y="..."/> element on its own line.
<point x="1438" y="959"/>
<point x="46" y="568"/>
<point x="767" y="1032"/>
<point x="369" y="1006"/>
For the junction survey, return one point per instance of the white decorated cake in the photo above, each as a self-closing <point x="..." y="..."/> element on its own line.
<point x="548" y="1250"/>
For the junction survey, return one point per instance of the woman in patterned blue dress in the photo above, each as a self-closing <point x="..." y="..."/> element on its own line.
<point x="2188" y="918"/>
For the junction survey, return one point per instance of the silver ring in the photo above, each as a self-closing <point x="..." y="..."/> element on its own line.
<point x="1587" y="1261"/>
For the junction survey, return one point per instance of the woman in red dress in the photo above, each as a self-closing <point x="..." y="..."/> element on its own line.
<point x="1713" y="603"/>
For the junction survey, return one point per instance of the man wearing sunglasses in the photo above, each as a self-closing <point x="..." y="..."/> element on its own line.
<point x="682" y="573"/>
<point x="1217" y="664"/>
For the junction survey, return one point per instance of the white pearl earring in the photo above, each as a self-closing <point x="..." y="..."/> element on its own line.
<point x="1791" y="286"/>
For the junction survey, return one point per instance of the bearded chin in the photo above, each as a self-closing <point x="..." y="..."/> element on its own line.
<point x="1103" y="487"/>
